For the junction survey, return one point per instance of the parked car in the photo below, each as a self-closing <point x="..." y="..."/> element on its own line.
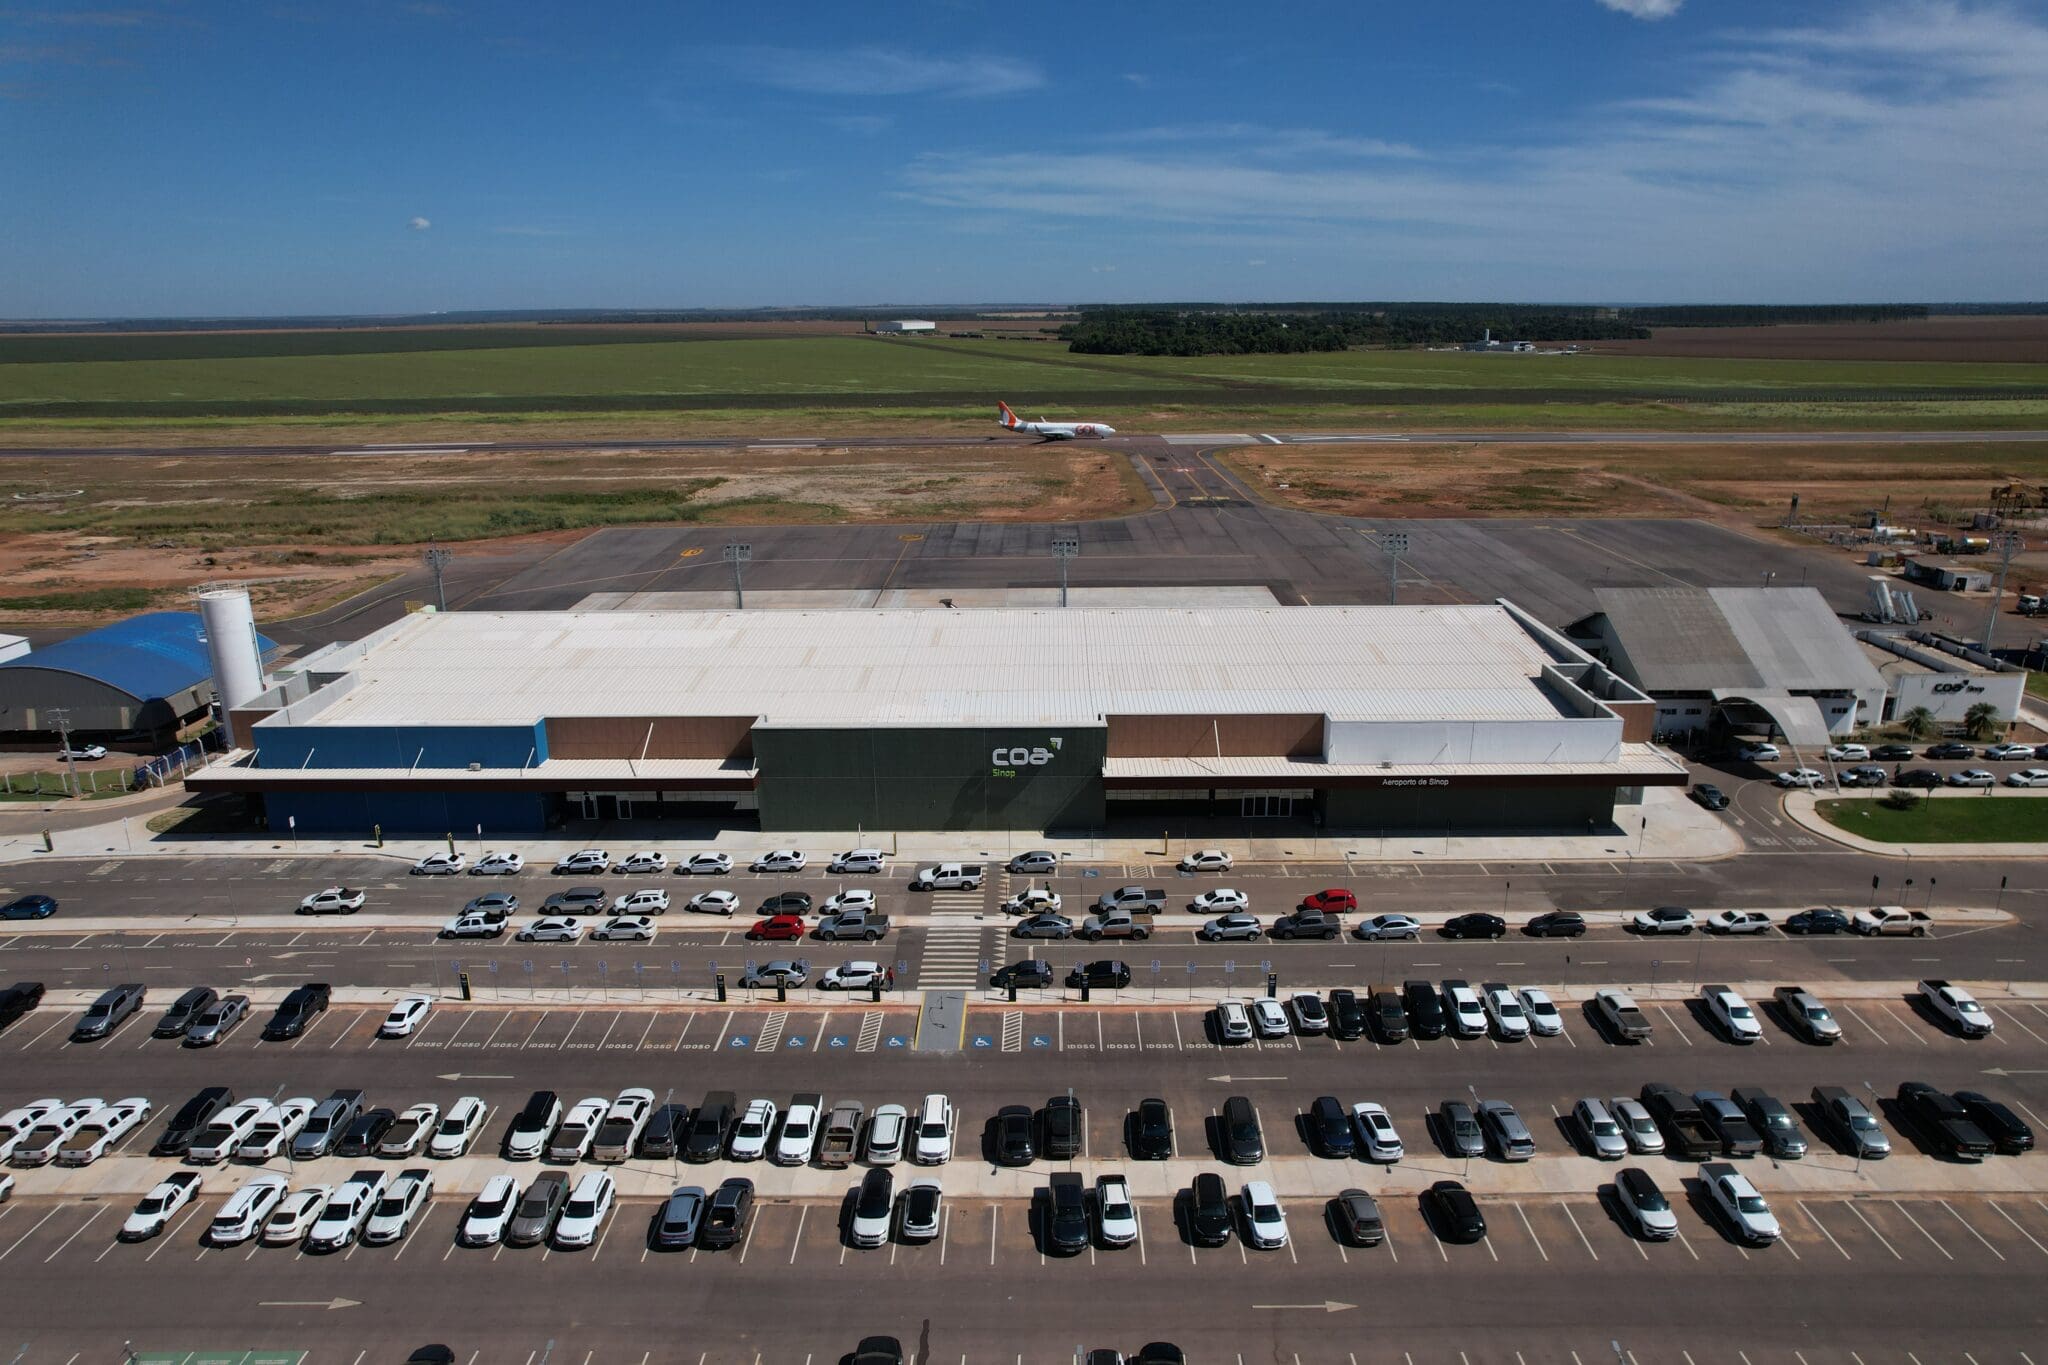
<point x="1737" y="1201"/>
<point x="1376" y="1133"/>
<point x="1031" y="973"/>
<point x="1152" y="1131"/>
<point x="583" y="1215"/>
<point x="294" y="1215"/>
<point x="1822" y="920"/>
<point x="1665" y="919"/>
<point x="1208" y="1211"/>
<point x="243" y="1216"/>
<point x="1509" y="1136"/>
<point x="1773" y="1120"/>
<point x="682" y="1214"/>
<point x="1727" y="1008"/>
<point x="1458" y="1130"/>
<point x="489" y="1213"/>
<point x="1233" y="1021"/>
<point x="1649" y="1212"/>
<point x="1852" y="1123"/>
<point x="784" y="971"/>
<point x="577" y="900"/>
<point x="1738" y="1136"/>
<point x="1243" y="1144"/>
<point x="726" y="1217"/>
<point x="533" y="1125"/>
<point x="1757" y="753"/>
<point x="1358" y="1218"/>
<point x="874" y="1202"/>
<point x="501" y="864"/>
<point x="1973" y="777"/>
<point x="705" y="865"/>
<point x="1116" y="1216"/>
<point x="1951" y="749"/>
<point x="1921" y="778"/>
<point x="1265" y="1222"/>
<point x="439" y="865"/>
<point x="406" y="1016"/>
<point x="183" y="1010"/>
<point x="1329" y="1129"/>
<point x="1863" y="775"/>
<point x="583" y="860"/>
<point x="1389" y="927"/>
<point x="1453" y="1212"/>
<point x="2009" y="1133"/>
<point x="106" y="1014"/>
<point x="334" y="900"/>
<point x="1557" y="924"/>
<point x="1476" y="925"/>
<point x="1801" y="777"/>
<point x="1808" y="1017"/>
<point x="217" y="1021"/>
<point x="1269" y="1017"/>
<point x="1231" y="929"/>
<point x="1709" y="796"/>
<point x="102" y="1131"/>
<point x="155" y="1210"/>
<point x="296" y="1013"/>
<point x="1729" y="922"/>
<point x="538" y="1209"/>
<point x="1599" y="1130"/>
<point x="1426" y="1018"/>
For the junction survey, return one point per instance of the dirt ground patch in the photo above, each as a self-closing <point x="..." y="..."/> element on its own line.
<point x="1960" y="338"/>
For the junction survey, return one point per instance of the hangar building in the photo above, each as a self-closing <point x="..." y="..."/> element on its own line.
<point x="148" y="674"/>
<point x="1424" y="717"/>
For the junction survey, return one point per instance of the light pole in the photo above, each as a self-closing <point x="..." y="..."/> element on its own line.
<point x="437" y="560"/>
<point x="61" y="718"/>
<point x="737" y="554"/>
<point x="1393" y="544"/>
<point x="2007" y="544"/>
<point x="1065" y="546"/>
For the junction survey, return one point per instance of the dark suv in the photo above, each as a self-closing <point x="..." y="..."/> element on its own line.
<point x="18" y="1000"/>
<point x="1062" y="1128"/>
<point x="183" y="1011"/>
<point x="1389" y="1016"/>
<point x="1032" y="973"/>
<point x="1243" y="1145"/>
<point x="191" y="1120"/>
<point x="1425" y="1009"/>
<point x="1066" y="1223"/>
<point x="1209" y="1210"/>
<point x="1329" y="1129"/>
<point x="1109" y="974"/>
<point x="712" y="1126"/>
<point x="1347" y="1016"/>
<point x="1152" y="1131"/>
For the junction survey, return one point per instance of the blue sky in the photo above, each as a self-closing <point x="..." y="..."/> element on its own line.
<point x="177" y="157"/>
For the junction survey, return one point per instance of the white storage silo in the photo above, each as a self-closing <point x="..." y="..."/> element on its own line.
<point x="233" y="649"/>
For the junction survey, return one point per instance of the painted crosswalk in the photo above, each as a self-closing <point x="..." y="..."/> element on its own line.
<point x="953" y="950"/>
<point x="770" y="1036"/>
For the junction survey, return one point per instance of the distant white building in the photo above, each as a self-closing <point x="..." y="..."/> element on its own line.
<point x="907" y="325"/>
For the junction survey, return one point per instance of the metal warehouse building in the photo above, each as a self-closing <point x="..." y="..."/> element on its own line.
<point x="1437" y="717"/>
<point x="148" y="674"/>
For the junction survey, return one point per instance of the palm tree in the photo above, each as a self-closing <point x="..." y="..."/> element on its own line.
<point x="1982" y="721"/>
<point x="1919" y="722"/>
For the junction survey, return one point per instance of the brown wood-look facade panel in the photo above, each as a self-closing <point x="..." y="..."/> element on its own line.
<point x="635" y="737"/>
<point x="1638" y="720"/>
<point x="1239" y="736"/>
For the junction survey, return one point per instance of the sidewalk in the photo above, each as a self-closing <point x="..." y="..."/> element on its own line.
<point x="1799" y="808"/>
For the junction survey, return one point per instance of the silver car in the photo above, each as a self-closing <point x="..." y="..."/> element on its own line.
<point x="217" y="1021"/>
<point x="1510" y="1136"/>
<point x="1603" y="1136"/>
<point x="1043" y="926"/>
<point x="1637" y="1126"/>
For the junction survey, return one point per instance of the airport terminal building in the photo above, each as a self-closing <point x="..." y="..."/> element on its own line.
<point x="1441" y="718"/>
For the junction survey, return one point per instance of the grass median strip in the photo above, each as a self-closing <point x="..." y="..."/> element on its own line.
<point x="1944" y="820"/>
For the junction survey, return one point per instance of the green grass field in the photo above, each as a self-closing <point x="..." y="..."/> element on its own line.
<point x="1945" y="820"/>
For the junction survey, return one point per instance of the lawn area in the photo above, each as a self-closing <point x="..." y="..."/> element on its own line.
<point x="1945" y="820"/>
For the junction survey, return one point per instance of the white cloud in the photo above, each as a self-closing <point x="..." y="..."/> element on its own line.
<point x="1644" y="9"/>
<point x="418" y="224"/>
<point x="877" y="71"/>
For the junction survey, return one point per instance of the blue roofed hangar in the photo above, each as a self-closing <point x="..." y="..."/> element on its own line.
<point x="149" y="674"/>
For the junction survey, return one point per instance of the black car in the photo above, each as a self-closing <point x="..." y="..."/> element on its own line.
<point x="725" y="1221"/>
<point x="19" y="999"/>
<point x="711" y="1127"/>
<point x="1710" y="796"/>
<point x="1243" y="1145"/>
<point x="1951" y="749"/>
<point x="1066" y="1222"/>
<point x="1062" y="1127"/>
<point x="1557" y="924"/>
<point x="191" y="1120"/>
<point x="1389" y="1017"/>
<point x="2008" y="1132"/>
<point x="1014" y="1140"/>
<point x="34" y="906"/>
<point x="298" y="1009"/>
<point x="1820" y="920"/>
<point x="1347" y="1016"/>
<point x="1109" y="974"/>
<point x="108" y="1012"/>
<point x="1358" y="1218"/>
<point x="1152" y="1131"/>
<point x="1892" y="753"/>
<point x="1159" y="1353"/>
<point x="878" y="1351"/>
<point x="1928" y="778"/>
<point x="1943" y="1123"/>
<point x="1425" y="1009"/>
<point x="1209" y="1222"/>
<point x="663" y="1136"/>
<point x="1452" y="1211"/>
<point x="1031" y="973"/>
<point x="1329" y="1129"/>
<point x="362" y="1136"/>
<point x="1476" y="925"/>
<point x="183" y="1011"/>
<point x="787" y="903"/>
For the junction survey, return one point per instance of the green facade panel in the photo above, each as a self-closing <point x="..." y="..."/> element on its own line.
<point x="1477" y="809"/>
<point x="997" y="777"/>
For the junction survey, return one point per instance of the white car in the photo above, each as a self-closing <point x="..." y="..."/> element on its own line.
<point x="623" y="1124"/>
<point x="648" y="861"/>
<point x="712" y="903"/>
<point x="1233" y="1021"/>
<point x="577" y="1130"/>
<point x="102" y="1130"/>
<point x="1468" y="1015"/>
<point x="484" y="1222"/>
<point x="154" y="1212"/>
<point x="625" y="929"/>
<point x="526" y="1139"/>
<point x="39" y="1145"/>
<point x="504" y="864"/>
<point x="1206" y="860"/>
<point x="18" y="1123"/>
<point x="1232" y="929"/>
<point x="1739" y="1203"/>
<point x="863" y="901"/>
<point x="1732" y="1013"/>
<point x="934" y="1144"/>
<point x="406" y="1016"/>
<point x="851" y="976"/>
<point x="1849" y="753"/>
<point x="332" y="900"/>
<point x="2006" y="753"/>
<point x="750" y="1135"/>
<point x="243" y="1216"/>
<point x="1544" y="1018"/>
<point x="1270" y="1018"/>
<point x="1644" y="1137"/>
<point x="294" y="1215"/>
<point x="869" y="1226"/>
<point x="646" y="901"/>
<point x="888" y="1130"/>
<point x="1758" y="753"/>
<point x="1219" y="898"/>
<point x="1033" y="900"/>
<point x="799" y="1135"/>
<point x="1665" y="919"/>
<point x="401" y="1202"/>
<point x="551" y="929"/>
<point x="1265" y="1222"/>
<point x="229" y="1129"/>
<point x="1958" y="1006"/>
<point x="589" y="1202"/>
<point x="1738" y="922"/>
<point x="705" y="865"/>
<point x="1116" y="1217"/>
<point x="82" y="753"/>
<point x="1801" y="777"/>
<point x="272" y="1136"/>
<point x="1973" y="777"/>
<point x="439" y="865"/>
<point x="858" y="860"/>
<point x="584" y="860"/>
<point x="473" y="926"/>
<point x="1506" y="1012"/>
<point x="779" y="860"/>
<point x="1376" y="1132"/>
<point x="2027" y="777"/>
<point x="458" y="1128"/>
<point x="1389" y="926"/>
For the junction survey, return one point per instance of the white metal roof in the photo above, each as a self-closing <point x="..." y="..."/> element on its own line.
<point x="910" y="667"/>
<point x="1635" y="761"/>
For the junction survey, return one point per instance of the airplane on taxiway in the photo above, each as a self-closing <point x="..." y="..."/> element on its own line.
<point x="1054" y="431"/>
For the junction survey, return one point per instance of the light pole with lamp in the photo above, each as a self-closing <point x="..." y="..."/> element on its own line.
<point x="1393" y="544"/>
<point x="438" y="560"/>
<point x="1065" y="547"/>
<point x="738" y="554"/>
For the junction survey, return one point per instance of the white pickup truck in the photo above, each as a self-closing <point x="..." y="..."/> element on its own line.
<point x="949" y="877"/>
<point x="1891" y="920"/>
<point x="1958" y="1006"/>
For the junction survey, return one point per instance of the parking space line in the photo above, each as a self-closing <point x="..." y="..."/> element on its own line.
<point x="688" y="1020"/>
<point x="1851" y="1009"/>
<point x="46" y="1028"/>
<point x="170" y="1233"/>
<point x="2013" y="1019"/>
<point x="30" y="1233"/>
<point x="74" y="1236"/>
<point x="467" y="1015"/>
<point x="801" y="1211"/>
<point x="1824" y="1231"/>
<point x="1907" y="1025"/>
<point x="349" y="1028"/>
<point x="502" y="1018"/>
<point x="1673" y="1024"/>
<point x="1786" y="1243"/>
<point x="528" y="1040"/>
<point x="1973" y="1231"/>
<point x="652" y="1015"/>
<point x="1531" y="1229"/>
<point x="1489" y="1248"/>
<point x="748" y="1240"/>
<point x="991" y="1234"/>
<point x="2017" y="1228"/>
<point x="1882" y="1239"/>
<point x="1923" y="1231"/>
<point x="574" y="1024"/>
<point x="722" y="1028"/>
<point x="1686" y="1242"/>
<point x="1581" y="1231"/>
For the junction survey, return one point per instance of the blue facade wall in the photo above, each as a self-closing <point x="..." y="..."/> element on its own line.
<point x="399" y="746"/>
<point x="457" y="813"/>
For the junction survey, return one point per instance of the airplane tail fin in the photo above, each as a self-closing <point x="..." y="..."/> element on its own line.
<point x="1008" y="419"/>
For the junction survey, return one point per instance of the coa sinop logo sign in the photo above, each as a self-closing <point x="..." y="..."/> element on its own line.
<point x="1007" y="760"/>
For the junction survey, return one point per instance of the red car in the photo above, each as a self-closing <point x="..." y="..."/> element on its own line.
<point x="1336" y="900"/>
<point x="786" y="927"/>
